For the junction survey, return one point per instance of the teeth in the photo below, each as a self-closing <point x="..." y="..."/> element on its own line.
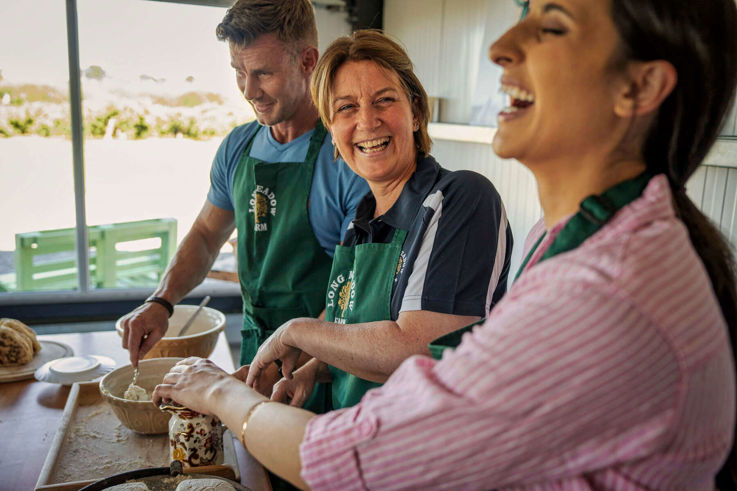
<point x="518" y="93"/>
<point x="373" y="145"/>
<point x="510" y="110"/>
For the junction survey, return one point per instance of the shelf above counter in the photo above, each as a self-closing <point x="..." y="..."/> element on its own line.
<point x="723" y="154"/>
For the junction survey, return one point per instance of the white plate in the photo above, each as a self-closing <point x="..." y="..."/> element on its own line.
<point x="50" y="350"/>
<point x="67" y="371"/>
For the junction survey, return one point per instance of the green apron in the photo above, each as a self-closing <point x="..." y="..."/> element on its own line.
<point x="282" y="267"/>
<point x="595" y="211"/>
<point x="360" y="290"/>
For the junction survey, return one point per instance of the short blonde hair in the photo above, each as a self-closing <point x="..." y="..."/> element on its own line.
<point x="377" y="47"/>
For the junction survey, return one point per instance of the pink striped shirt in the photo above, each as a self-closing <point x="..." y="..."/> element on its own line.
<point x="606" y="367"/>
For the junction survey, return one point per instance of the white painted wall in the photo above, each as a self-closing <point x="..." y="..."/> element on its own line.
<point x="330" y="25"/>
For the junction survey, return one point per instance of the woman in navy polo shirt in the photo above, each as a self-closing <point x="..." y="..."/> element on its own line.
<point x="427" y="253"/>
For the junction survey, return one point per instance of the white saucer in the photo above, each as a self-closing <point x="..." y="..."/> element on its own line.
<point x="67" y="371"/>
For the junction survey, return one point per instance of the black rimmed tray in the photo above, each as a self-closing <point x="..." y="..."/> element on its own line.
<point x="161" y="478"/>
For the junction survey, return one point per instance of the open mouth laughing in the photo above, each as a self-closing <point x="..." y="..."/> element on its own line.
<point x="519" y="100"/>
<point x="373" y="146"/>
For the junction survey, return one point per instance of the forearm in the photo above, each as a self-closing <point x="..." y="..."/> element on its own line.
<point x="191" y="263"/>
<point x="196" y="253"/>
<point x="274" y="431"/>
<point x="371" y="350"/>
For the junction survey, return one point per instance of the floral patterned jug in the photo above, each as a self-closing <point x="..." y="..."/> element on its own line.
<point x="194" y="439"/>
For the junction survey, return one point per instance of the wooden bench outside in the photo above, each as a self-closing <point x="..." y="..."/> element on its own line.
<point x="46" y="260"/>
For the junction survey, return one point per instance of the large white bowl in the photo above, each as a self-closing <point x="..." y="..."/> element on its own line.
<point x="200" y="339"/>
<point x="140" y="416"/>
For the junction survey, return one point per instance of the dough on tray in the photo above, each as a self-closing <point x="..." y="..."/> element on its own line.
<point x="15" y="348"/>
<point x="204" y="485"/>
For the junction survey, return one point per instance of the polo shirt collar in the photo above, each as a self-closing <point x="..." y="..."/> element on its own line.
<point x="401" y="214"/>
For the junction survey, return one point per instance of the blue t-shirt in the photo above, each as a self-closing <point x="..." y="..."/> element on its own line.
<point x="335" y="192"/>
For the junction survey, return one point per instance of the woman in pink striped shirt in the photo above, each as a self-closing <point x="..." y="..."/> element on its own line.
<point x="608" y="364"/>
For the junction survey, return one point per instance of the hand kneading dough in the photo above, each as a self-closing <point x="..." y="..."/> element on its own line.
<point x="15" y="348"/>
<point x="204" y="485"/>
<point x="17" y="325"/>
<point x="129" y="486"/>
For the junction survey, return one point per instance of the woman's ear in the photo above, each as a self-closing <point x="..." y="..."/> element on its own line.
<point x="416" y="113"/>
<point x="336" y="153"/>
<point x="650" y="83"/>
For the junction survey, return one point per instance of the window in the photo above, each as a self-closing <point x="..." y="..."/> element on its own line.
<point x="158" y="96"/>
<point x="35" y="146"/>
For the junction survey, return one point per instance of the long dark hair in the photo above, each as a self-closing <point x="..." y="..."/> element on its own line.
<point x="700" y="40"/>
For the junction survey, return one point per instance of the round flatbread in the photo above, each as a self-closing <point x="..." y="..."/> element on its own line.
<point x="204" y="485"/>
<point x="17" y="325"/>
<point x="129" y="486"/>
<point x="15" y="347"/>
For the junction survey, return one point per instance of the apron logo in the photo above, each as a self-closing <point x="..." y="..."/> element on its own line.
<point x="400" y="265"/>
<point x="345" y="290"/>
<point x="262" y="204"/>
<point x="345" y="293"/>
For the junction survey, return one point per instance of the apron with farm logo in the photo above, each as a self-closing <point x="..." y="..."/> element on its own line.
<point x="594" y="212"/>
<point x="282" y="267"/>
<point x="360" y="290"/>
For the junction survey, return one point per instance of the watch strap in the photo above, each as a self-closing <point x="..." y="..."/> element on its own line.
<point x="161" y="301"/>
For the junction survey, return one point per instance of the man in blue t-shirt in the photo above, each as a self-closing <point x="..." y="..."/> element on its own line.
<point x="275" y="180"/>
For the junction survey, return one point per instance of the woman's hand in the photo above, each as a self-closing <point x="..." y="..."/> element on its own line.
<point x="297" y="390"/>
<point x="194" y="383"/>
<point x="278" y="346"/>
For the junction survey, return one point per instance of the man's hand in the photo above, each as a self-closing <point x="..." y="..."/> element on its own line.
<point x="265" y="381"/>
<point x="143" y="328"/>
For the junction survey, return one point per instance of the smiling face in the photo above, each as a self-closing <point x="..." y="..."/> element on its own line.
<point x="372" y="122"/>
<point x="562" y="85"/>
<point x="271" y="79"/>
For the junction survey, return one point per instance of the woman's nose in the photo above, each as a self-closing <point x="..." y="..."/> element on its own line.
<point x="368" y="117"/>
<point x="507" y="49"/>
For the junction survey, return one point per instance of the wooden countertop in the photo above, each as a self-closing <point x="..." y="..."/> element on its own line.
<point x="30" y="412"/>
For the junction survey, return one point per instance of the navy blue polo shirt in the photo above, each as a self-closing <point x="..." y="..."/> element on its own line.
<point x="455" y="259"/>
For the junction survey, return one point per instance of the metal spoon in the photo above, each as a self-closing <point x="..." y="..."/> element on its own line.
<point x="191" y="319"/>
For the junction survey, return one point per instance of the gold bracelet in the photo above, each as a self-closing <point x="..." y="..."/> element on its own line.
<point x="248" y="416"/>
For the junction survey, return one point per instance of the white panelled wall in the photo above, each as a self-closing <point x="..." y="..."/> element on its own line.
<point x="512" y="180"/>
<point x="447" y="41"/>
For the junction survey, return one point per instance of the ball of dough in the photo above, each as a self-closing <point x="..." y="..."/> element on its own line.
<point x="204" y="485"/>
<point x="15" y="348"/>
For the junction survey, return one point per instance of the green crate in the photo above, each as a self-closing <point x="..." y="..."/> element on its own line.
<point x="46" y="260"/>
